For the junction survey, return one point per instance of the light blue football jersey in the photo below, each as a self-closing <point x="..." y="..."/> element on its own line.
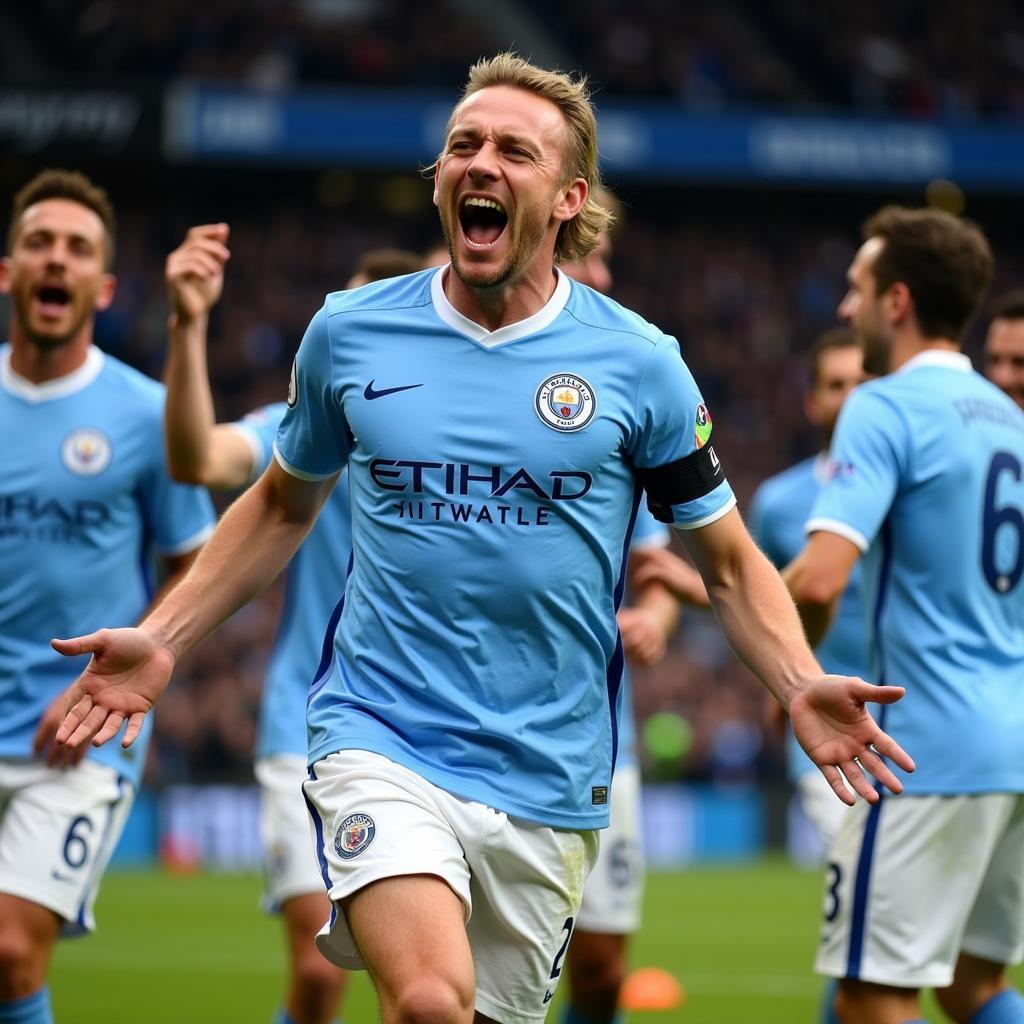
<point x="927" y="479"/>
<point x="316" y="576"/>
<point x="494" y="480"/>
<point x="647" y="533"/>
<point x="85" y="500"/>
<point x="778" y="514"/>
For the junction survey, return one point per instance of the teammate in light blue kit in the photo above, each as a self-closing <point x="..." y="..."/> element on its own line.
<point x="497" y="424"/>
<point x="229" y="456"/>
<point x="85" y="502"/>
<point x="778" y="513"/>
<point x="928" y="484"/>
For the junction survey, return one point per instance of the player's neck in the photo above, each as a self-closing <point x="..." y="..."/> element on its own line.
<point x="41" y="363"/>
<point x="509" y="304"/>
<point x="905" y="348"/>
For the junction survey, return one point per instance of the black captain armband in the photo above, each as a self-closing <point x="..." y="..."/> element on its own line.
<point x="684" y="480"/>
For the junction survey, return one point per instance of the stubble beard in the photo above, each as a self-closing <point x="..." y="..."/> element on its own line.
<point x="21" y="303"/>
<point x="523" y="244"/>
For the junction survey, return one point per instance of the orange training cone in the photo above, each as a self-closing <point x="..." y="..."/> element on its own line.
<point x="651" y="988"/>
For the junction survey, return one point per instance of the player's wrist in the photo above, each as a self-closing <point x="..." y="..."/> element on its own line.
<point x="184" y="325"/>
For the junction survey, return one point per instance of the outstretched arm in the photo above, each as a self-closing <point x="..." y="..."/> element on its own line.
<point x="761" y="623"/>
<point x="199" y="450"/>
<point x="130" y="668"/>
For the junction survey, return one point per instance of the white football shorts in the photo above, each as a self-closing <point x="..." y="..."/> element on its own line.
<point x="913" y="881"/>
<point x="613" y="895"/>
<point x="520" y="883"/>
<point x="823" y="808"/>
<point x="58" y="829"/>
<point x="289" y="853"/>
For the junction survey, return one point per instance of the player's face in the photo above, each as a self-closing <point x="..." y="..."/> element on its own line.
<point x="840" y="370"/>
<point x="55" y="274"/>
<point x="594" y="270"/>
<point x="862" y="308"/>
<point x="499" y="186"/>
<point x="1004" y="357"/>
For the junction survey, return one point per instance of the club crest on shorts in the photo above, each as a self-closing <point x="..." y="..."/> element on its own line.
<point x="565" y="402"/>
<point x="86" y="451"/>
<point x="355" y="834"/>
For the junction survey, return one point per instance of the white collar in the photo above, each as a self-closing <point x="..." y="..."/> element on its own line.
<point x="503" y="335"/>
<point x="939" y="357"/>
<point x="59" y="387"/>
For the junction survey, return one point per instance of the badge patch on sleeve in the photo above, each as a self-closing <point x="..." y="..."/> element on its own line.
<point x="354" y="835"/>
<point x="293" y="388"/>
<point x="701" y="426"/>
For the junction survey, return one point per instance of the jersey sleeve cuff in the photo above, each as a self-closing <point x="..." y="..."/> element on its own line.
<point x="710" y="518"/>
<point x="825" y="525"/>
<point x="255" y="447"/>
<point x="301" y="474"/>
<point x="197" y="540"/>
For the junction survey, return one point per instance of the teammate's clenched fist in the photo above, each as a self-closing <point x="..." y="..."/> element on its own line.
<point x="195" y="271"/>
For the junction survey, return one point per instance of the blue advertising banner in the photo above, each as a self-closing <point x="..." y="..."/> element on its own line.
<point x="375" y="128"/>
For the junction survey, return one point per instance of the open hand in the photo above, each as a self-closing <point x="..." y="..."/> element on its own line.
<point x="126" y="674"/>
<point x="833" y="726"/>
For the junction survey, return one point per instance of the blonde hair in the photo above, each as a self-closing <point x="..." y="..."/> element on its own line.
<point x="577" y="237"/>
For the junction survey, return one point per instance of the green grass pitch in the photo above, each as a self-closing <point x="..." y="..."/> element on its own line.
<point x="198" y="949"/>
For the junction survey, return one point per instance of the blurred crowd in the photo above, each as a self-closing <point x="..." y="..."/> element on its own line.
<point x="934" y="59"/>
<point x="745" y="284"/>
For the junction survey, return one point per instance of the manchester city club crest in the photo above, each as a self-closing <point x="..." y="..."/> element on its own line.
<point x="355" y="834"/>
<point x="86" y="451"/>
<point x="565" y="402"/>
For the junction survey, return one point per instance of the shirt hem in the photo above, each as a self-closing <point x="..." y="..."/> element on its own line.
<point x="461" y="788"/>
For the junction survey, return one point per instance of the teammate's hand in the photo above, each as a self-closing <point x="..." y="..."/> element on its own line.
<point x="195" y="271"/>
<point x="45" y="743"/>
<point x="659" y="565"/>
<point x="833" y="726"/>
<point x="642" y="638"/>
<point x="127" y="673"/>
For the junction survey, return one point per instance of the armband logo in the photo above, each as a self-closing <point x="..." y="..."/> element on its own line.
<point x="293" y="388"/>
<point x="701" y="426"/>
<point x="565" y="402"/>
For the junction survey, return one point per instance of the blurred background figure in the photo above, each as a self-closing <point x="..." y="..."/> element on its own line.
<point x="1004" y="346"/>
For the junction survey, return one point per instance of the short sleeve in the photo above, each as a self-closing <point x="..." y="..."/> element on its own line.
<point x="672" y="450"/>
<point x="313" y="441"/>
<point x="760" y="527"/>
<point x="259" y="428"/>
<point x="867" y="461"/>
<point x="179" y="517"/>
<point x="648" y="532"/>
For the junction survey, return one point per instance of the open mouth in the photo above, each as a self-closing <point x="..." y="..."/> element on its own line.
<point x="53" y="299"/>
<point x="483" y="220"/>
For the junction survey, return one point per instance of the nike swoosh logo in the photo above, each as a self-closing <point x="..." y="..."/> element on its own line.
<point x="58" y="877"/>
<point x="369" y="394"/>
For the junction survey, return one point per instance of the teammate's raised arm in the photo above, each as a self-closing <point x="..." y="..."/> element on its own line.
<point x="199" y="450"/>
